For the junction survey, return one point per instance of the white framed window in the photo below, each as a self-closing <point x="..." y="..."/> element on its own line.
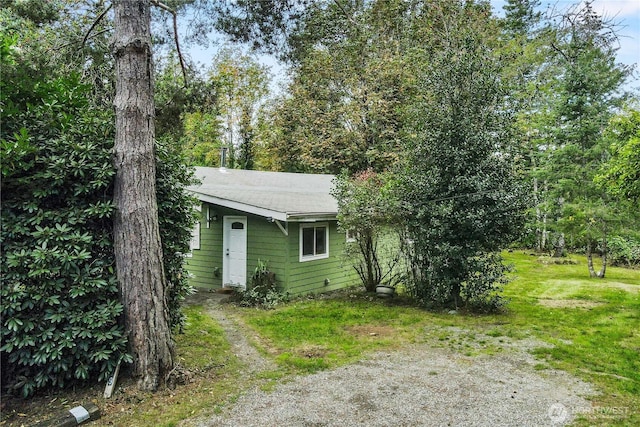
<point x="314" y="241"/>
<point x="352" y="235"/>
<point x="194" y="243"/>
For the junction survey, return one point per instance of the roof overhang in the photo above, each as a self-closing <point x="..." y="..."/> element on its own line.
<point x="311" y="217"/>
<point x="267" y="213"/>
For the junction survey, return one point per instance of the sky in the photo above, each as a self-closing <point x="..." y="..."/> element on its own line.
<point x="624" y="12"/>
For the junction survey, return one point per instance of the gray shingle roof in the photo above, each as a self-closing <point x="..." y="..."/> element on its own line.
<point x="280" y="195"/>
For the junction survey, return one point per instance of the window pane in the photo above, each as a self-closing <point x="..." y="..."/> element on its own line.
<point x="321" y="240"/>
<point x="307" y="241"/>
<point x="195" y="237"/>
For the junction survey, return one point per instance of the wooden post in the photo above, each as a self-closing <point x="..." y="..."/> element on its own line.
<point x="111" y="383"/>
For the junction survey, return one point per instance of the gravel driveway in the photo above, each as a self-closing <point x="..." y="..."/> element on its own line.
<point x="418" y="386"/>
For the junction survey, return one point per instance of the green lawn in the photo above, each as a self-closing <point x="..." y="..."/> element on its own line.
<point x="593" y="326"/>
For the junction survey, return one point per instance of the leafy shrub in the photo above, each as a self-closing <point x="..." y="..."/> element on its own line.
<point x="624" y="251"/>
<point x="480" y="285"/>
<point x="176" y="219"/>
<point x="59" y="295"/>
<point x="263" y="290"/>
<point x="461" y="200"/>
<point x="59" y="292"/>
<point x="481" y="291"/>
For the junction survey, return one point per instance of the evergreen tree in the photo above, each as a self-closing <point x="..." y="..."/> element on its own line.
<point x="521" y="16"/>
<point x="459" y="188"/>
<point x="588" y="92"/>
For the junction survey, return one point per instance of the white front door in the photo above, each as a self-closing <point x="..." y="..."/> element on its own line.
<point x="234" y="252"/>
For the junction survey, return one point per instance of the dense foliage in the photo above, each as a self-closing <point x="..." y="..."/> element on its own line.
<point x="460" y="190"/>
<point x="59" y="296"/>
<point x="624" y="251"/>
<point x="365" y="213"/>
<point x="342" y="108"/>
<point x="620" y="175"/>
<point x="60" y="304"/>
<point x="176" y="218"/>
<point x="578" y="87"/>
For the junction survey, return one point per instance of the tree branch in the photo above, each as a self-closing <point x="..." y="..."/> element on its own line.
<point x="346" y="15"/>
<point x="175" y="35"/>
<point x="96" y="22"/>
<point x="554" y="47"/>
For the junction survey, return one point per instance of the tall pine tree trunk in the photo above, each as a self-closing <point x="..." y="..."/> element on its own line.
<point x="138" y="251"/>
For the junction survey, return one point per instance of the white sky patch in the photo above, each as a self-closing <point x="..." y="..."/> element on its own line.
<point x="619" y="8"/>
<point x="624" y="12"/>
<point x="627" y="14"/>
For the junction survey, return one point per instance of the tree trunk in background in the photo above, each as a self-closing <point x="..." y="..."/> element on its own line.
<point x="137" y="247"/>
<point x="591" y="244"/>
<point x="558" y="247"/>
<point x="605" y="249"/>
<point x="589" y="253"/>
<point x="539" y="230"/>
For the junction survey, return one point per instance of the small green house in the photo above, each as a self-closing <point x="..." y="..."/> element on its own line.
<point x="287" y="220"/>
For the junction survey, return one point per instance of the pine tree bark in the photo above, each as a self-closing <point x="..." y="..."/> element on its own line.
<point x="137" y="246"/>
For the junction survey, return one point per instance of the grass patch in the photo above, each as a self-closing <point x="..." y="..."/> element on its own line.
<point x="591" y="327"/>
<point x="593" y="324"/>
<point x="202" y="345"/>
<point x="311" y="335"/>
<point x="214" y="380"/>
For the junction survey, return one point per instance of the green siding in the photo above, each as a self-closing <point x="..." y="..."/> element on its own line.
<point x="309" y="276"/>
<point x="265" y="241"/>
<point x="205" y="264"/>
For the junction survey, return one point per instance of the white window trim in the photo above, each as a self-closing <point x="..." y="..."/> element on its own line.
<point x="304" y="258"/>
<point x="194" y="243"/>
<point x="351" y="235"/>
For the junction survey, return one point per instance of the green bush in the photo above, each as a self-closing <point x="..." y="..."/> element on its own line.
<point x="176" y="220"/>
<point x="624" y="251"/>
<point x="263" y="290"/>
<point x="482" y="291"/>
<point x="59" y="292"/>
<point x="59" y="299"/>
<point x="481" y="284"/>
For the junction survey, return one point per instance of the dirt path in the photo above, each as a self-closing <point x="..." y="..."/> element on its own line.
<point x="236" y="334"/>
